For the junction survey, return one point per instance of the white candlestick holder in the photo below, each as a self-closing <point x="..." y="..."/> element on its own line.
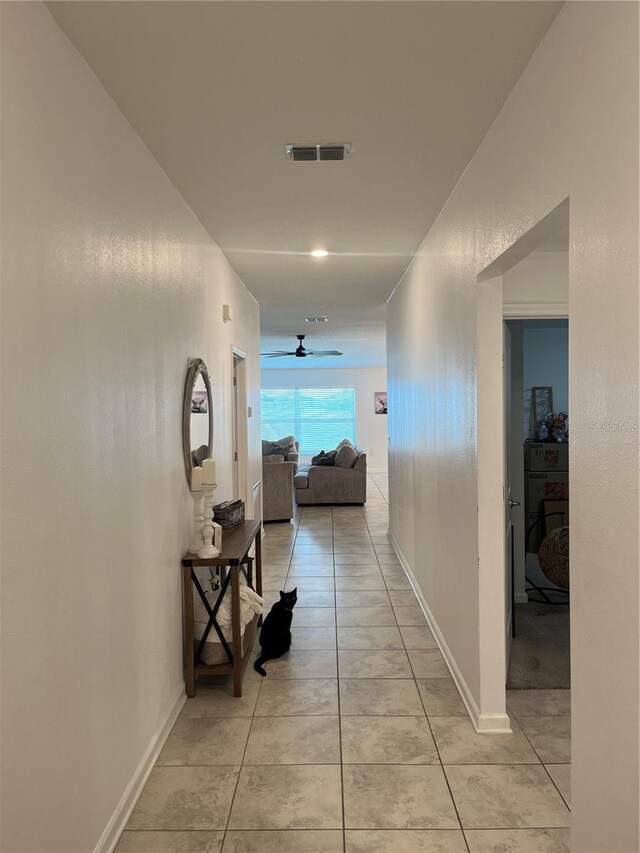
<point x="208" y="549"/>
<point x="197" y="539"/>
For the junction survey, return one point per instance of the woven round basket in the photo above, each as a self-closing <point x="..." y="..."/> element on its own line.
<point x="553" y="555"/>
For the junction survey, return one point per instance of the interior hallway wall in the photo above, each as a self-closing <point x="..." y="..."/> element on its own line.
<point x="569" y="129"/>
<point x="109" y="285"/>
<point x="539" y="281"/>
<point x="371" y="429"/>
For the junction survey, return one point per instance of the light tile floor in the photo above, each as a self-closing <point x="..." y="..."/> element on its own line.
<point x="357" y="741"/>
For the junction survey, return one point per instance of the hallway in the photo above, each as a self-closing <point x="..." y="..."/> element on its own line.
<point x="358" y="742"/>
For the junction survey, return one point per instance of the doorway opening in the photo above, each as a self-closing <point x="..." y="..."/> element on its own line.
<point x="240" y="428"/>
<point x="522" y="307"/>
<point x="537" y="483"/>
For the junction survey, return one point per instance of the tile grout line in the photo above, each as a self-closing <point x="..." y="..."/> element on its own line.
<point x="253" y="715"/>
<point x="413" y="677"/>
<point x="435" y="743"/>
<point x="244" y="752"/>
<point x="543" y="764"/>
<point x="335" y="604"/>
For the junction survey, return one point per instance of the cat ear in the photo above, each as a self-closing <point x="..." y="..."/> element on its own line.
<point x="295" y="590"/>
<point x="282" y="594"/>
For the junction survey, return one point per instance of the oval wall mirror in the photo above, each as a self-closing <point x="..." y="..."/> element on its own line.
<point x="197" y="416"/>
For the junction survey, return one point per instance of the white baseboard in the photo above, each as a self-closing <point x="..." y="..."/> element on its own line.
<point x="483" y="723"/>
<point x="378" y="470"/>
<point x="122" y="813"/>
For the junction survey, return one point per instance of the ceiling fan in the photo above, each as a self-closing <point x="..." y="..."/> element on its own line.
<point x="300" y="351"/>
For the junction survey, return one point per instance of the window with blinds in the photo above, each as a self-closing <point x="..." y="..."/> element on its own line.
<point x="318" y="417"/>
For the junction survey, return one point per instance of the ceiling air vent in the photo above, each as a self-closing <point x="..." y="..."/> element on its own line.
<point x="328" y="151"/>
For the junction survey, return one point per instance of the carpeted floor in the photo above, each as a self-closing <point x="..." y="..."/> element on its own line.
<point x="540" y="650"/>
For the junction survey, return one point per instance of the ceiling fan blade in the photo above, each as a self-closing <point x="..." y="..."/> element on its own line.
<point x="275" y="354"/>
<point x="324" y="352"/>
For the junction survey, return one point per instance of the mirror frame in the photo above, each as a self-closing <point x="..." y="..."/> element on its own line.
<point x="196" y="368"/>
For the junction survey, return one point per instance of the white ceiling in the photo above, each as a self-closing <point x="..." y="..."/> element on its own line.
<point x="216" y="90"/>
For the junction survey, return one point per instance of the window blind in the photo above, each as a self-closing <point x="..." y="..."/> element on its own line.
<point x="318" y="417"/>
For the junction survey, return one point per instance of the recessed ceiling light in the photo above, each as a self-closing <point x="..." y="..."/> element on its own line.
<point x="319" y="253"/>
<point x="322" y="319"/>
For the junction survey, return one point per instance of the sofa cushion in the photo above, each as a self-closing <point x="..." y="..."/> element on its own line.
<point x="342" y="443"/>
<point x="288" y="441"/>
<point x="275" y="457"/>
<point x="346" y="456"/>
<point x="271" y="448"/>
<point x="361" y="462"/>
<point x="301" y="479"/>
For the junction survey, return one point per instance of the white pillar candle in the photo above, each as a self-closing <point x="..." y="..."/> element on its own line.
<point x="196" y="479"/>
<point x="209" y="472"/>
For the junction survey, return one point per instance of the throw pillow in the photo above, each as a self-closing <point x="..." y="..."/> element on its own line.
<point x="271" y="448"/>
<point x="328" y="458"/>
<point x="316" y="459"/>
<point x="342" y="443"/>
<point x="274" y="457"/>
<point x="346" y="456"/>
<point x="288" y="441"/>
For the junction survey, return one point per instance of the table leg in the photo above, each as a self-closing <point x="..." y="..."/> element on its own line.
<point x="258" y="541"/>
<point x="235" y="627"/>
<point x="189" y="665"/>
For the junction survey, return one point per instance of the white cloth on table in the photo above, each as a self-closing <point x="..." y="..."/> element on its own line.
<point x="251" y="605"/>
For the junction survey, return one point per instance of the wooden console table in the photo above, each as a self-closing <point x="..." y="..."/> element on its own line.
<point x="236" y="544"/>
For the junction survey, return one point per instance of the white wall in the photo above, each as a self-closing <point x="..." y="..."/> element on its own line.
<point x="371" y="429"/>
<point x="569" y="129"/>
<point x="109" y="284"/>
<point x="540" y="280"/>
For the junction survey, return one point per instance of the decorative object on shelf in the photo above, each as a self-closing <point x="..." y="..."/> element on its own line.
<point x="553" y="555"/>
<point x="380" y="402"/>
<point x="196" y="479"/>
<point x="541" y="406"/>
<point x="229" y="513"/>
<point x="197" y="538"/>
<point x="197" y="494"/>
<point x="558" y="426"/>
<point x="209" y="472"/>
<point x="208" y="548"/>
<point x="217" y="535"/>
<point x="197" y="417"/>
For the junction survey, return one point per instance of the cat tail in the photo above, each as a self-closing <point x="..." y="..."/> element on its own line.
<point x="258" y="665"/>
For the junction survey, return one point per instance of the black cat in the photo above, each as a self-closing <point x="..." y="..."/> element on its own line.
<point x="275" y="637"/>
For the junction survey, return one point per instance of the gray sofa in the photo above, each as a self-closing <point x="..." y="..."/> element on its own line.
<point x="320" y="484"/>
<point x="277" y="490"/>
<point x="277" y="479"/>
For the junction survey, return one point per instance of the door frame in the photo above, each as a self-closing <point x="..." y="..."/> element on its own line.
<point x="240" y="425"/>
<point x="492" y="716"/>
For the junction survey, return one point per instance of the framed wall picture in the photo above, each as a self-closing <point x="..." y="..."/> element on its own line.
<point x="199" y="402"/>
<point x="380" y="402"/>
<point x="541" y="406"/>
